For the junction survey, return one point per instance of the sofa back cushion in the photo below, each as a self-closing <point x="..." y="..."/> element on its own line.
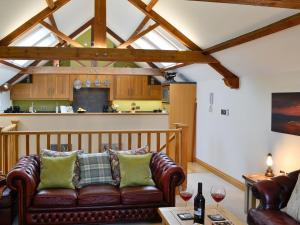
<point x="95" y="169"/>
<point x="135" y="170"/>
<point x="114" y="160"/>
<point x="52" y="153"/>
<point x="57" y="172"/>
<point x="293" y="206"/>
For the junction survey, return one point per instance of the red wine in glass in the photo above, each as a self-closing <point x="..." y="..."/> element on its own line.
<point x="218" y="193"/>
<point x="186" y="194"/>
<point x="218" y="197"/>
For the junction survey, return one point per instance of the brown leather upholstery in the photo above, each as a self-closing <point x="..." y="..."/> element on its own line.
<point x="90" y="207"/>
<point x="55" y="198"/>
<point x="141" y="195"/>
<point x="273" y="195"/>
<point x="270" y="217"/>
<point x="98" y="195"/>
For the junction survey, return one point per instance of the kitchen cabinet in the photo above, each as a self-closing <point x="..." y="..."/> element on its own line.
<point x="21" y="91"/>
<point x="135" y="88"/>
<point x="46" y="87"/>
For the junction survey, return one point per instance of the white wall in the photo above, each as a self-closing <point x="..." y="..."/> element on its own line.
<point x="5" y="101"/>
<point x="239" y="143"/>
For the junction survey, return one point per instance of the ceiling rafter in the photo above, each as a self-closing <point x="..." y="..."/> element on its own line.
<point x="51" y="5"/>
<point x="61" y="35"/>
<point x="230" y="79"/>
<point x="104" y="54"/>
<point x="11" y="65"/>
<point x="259" y="33"/>
<point x="138" y="31"/>
<point x="289" y="4"/>
<point x="31" y="23"/>
<point x="174" y="67"/>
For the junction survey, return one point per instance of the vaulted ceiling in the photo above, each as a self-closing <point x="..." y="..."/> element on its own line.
<point x="204" y="23"/>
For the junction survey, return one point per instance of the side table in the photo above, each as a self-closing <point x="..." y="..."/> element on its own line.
<point x="250" y="180"/>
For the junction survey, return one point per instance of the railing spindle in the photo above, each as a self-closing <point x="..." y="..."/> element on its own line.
<point x="110" y="140"/>
<point x="177" y="147"/>
<point x="120" y="141"/>
<point x="5" y="148"/>
<point x="149" y="140"/>
<point x="129" y="141"/>
<point x="139" y="140"/>
<point x="69" y="142"/>
<point x="79" y="141"/>
<point x="38" y="144"/>
<point x="48" y="141"/>
<point x="27" y="144"/>
<point x="90" y="142"/>
<point x="100" y="142"/>
<point x="167" y="143"/>
<point x="158" y="141"/>
<point x="58" y="142"/>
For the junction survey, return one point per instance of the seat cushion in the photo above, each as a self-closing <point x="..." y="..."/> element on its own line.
<point x="54" y="198"/>
<point x="269" y="217"/>
<point x="99" y="195"/>
<point x="141" y="195"/>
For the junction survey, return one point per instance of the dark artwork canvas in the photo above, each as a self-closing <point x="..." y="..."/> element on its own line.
<point x="286" y="113"/>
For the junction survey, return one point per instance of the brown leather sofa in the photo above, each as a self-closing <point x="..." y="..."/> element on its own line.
<point x="273" y="195"/>
<point x="93" y="204"/>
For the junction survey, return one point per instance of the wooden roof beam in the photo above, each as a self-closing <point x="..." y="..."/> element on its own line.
<point x="262" y="32"/>
<point x="289" y="4"/>
<point x="31" y="23"/>
<point x="61" y="35"/>
<point x="104" y="54"/>
<point x="99" y="26"/>
<point x="11" y="65"/>
<point x="230" y="79"/>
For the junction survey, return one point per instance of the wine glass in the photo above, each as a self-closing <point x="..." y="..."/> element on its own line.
<point x="185" y="193"/>
<point x="218" y="193"/>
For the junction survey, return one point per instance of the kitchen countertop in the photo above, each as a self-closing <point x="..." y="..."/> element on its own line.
<point x="80" y="114"/>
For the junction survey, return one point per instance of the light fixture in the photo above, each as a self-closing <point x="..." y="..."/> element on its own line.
<point x="6" y="86"/>
<point x="77" y="84"/>
<point x="269" y="162"/>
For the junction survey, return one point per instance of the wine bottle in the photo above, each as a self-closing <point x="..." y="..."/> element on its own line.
<point x="199" y="206"/>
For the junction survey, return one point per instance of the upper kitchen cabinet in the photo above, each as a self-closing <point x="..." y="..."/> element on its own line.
<point x="43" y="87"/>
<point x="135" y="88"/>
<point x="21" y="91"/>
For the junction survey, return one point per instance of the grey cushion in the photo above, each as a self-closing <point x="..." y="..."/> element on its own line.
<point x="95" y="169"/>
<point x="293" y="206"/>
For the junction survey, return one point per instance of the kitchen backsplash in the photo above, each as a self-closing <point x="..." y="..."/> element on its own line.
<point x="40" y="105"/>
<point x="125" y="105"/>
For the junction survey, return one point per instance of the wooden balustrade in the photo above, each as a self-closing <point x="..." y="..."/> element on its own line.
<point x="14" y="144"/>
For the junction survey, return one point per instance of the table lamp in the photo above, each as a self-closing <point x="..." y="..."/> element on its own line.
<point x="269" y="161"/>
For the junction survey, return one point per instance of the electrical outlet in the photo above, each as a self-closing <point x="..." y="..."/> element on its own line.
<point x="225" y="112"/>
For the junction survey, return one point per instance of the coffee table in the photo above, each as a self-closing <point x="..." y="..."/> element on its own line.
<point x="169" y="215"/>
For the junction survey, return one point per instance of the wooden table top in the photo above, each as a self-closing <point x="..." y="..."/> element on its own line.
<point x="255" y="177"/>
<point x="169" y="215"/>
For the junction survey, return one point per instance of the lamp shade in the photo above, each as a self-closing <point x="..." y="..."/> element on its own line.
<point x="269" y="160"/>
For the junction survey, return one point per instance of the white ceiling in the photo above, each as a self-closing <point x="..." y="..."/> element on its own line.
<point x="205" y="23"/>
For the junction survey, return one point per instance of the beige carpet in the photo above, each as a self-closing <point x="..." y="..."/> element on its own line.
<point x="234" y="200"/>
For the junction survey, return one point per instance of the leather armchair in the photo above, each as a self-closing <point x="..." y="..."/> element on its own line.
<point x="274" y="195"/>
<point x="129" y="204"/>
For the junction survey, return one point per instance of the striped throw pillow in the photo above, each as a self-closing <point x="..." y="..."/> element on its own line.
<point x="95" y="168"/>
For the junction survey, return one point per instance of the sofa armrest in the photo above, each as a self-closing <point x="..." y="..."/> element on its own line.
<point x="275" y="193"/>
<point x="167" y="176"/>
<point x="24" y="179"/>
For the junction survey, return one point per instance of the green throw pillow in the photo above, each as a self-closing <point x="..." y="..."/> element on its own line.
<point x="57" y="172"/>
<point x="135" y="170"/>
